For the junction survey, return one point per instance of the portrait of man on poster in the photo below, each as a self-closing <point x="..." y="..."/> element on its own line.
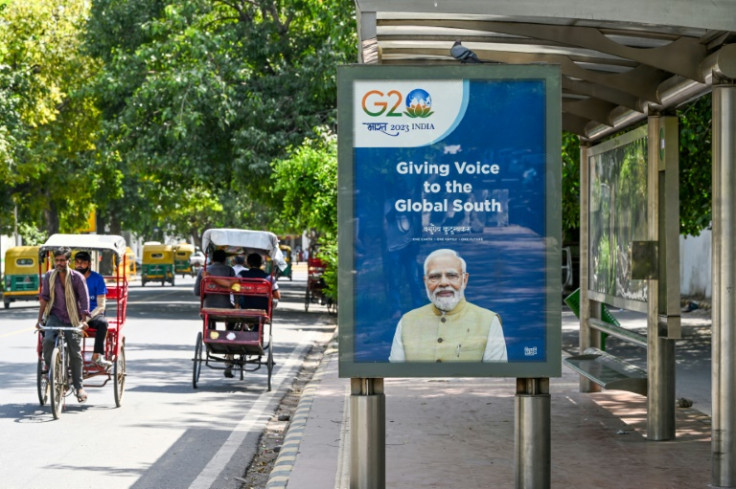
<point x="449" y="328"/>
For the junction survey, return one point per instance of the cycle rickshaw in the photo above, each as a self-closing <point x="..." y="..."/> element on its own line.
<point x="108" y="259"/>
<point x="316" y="285"/>
<point x="246" y="342"/>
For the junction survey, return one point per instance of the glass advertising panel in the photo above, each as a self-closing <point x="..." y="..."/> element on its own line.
<point x="618" y="217"/>
<point x="449" y="225"/>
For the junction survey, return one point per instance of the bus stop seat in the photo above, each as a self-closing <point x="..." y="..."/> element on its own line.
<point x="609" y="371"/>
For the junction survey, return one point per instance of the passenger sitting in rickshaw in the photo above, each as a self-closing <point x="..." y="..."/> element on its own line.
<point x="218" y="268"/>
<point x="97" y="301"/>
<point x="254" y="262"/>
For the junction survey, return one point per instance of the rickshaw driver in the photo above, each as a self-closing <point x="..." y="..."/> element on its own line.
<point x="64" y="302"/>
<point x="218" y="268"/>
<point x="97" y="302"/>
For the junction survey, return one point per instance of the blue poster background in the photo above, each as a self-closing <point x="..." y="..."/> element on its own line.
<point x="504" y="248"/>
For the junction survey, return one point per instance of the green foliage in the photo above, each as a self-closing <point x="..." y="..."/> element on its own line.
<point x="49" y="123"/>
<point x="306" y="183"/>
<point x="200" y="97"/>
<point x="570" y="186"/>
<point x="31" y="234"/>
<point x="695" y="165"/>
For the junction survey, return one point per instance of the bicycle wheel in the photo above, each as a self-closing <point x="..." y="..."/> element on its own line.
<point x="42" y="383"/>
<point x="197" y="360"/>
<point x="118" y="372"/>
<point x="57" y="382"/>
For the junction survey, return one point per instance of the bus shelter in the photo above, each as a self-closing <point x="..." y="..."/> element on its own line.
<point x="622" y="63"/>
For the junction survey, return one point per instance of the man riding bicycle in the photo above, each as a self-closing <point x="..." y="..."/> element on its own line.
<point x="64" y="302"/>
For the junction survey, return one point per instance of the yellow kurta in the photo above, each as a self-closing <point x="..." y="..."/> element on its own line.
<point x="461" y="335"/>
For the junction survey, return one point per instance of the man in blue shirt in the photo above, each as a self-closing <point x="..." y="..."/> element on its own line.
<point x="97" y="299"/>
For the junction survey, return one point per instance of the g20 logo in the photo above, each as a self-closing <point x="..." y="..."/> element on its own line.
<point x="417" y="104"/>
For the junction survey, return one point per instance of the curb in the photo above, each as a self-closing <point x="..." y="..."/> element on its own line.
<point x="284" y="464"/>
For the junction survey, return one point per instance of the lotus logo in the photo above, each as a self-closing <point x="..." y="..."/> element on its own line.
<point x="418" y="104"/>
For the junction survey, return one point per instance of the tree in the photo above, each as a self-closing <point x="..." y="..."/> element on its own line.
<point x="695" y="134"/>
<point x="306" y="183"/>
<point x="51" y="120"/>
<point x="570" y="187"/>
<point x="203" y="95"/>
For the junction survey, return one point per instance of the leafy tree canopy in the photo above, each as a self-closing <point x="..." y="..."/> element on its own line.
<point x="202" y="96"/>
<point x="48" y="123"/>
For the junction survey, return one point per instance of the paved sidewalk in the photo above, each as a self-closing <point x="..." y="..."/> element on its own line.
<point x="459" y="433"/>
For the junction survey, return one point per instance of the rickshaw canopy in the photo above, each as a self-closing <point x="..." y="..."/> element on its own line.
<point x="244" y="241"/>
<point x="99" y="242"/>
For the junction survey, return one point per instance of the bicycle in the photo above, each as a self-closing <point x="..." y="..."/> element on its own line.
<point x="55" y="384"/>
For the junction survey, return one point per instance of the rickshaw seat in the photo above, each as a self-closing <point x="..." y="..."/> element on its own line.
<point x="222" y="313"/>
<point x="254" y="312"/>
<point x="218" y="312"/>
<point x="237" y="287"/>
<point x="114" y="292"/>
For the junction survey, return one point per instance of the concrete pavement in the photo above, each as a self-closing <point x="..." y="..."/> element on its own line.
<point x="459" y="432"/>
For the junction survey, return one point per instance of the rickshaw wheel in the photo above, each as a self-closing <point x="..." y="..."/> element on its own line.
<point x="269" y="364"/>
<point x="119" y="376"/>
<point x="197" y="360"/>
<point x="42" y="383"/>
<point x="56" y="383"/>
<point x="307" y="299"/>
<point x="6" y="304"/>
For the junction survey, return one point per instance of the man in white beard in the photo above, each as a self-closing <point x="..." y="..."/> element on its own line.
<point x="449" y="328"/>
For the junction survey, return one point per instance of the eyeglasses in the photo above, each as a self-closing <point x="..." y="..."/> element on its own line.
<point x="452" y="277"/>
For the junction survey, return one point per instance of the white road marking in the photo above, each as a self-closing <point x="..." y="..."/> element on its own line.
<point x="253" y="417"/>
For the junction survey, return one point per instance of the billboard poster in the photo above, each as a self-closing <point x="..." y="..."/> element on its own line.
<point x="449" y="225"/>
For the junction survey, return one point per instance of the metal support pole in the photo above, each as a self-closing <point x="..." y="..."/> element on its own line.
<point x="724" y="284"/>
<point x="532" y="434"/>
<point x="588" y="336"/>
<point x="663" y="311"/>
<point x="367" y="434"/>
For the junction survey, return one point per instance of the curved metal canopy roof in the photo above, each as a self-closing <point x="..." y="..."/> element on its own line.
<point x="620" y="59"/>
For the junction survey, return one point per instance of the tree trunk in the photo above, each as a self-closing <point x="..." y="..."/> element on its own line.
<point x="51" y="215"/>
<point x="116" y="226"/>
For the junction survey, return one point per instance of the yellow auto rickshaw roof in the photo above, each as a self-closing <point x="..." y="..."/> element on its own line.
<point x="157" y="247"/>
<point x="184" y="247"/>
<point x="22" y="251"/>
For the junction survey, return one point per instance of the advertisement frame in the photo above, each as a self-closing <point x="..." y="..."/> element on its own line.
<point x="550" y="77"/>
